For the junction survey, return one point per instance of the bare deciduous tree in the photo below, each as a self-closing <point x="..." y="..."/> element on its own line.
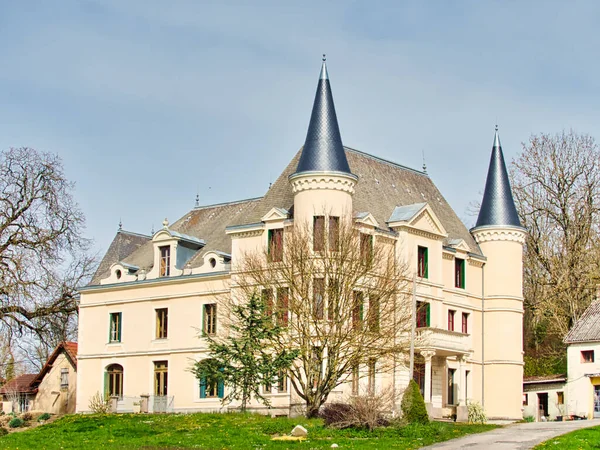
<point x="345" y="293"/>
<point x="42" y="252"/>
<point x="556" y="185"/>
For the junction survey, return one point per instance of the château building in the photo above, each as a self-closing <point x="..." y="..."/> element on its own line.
<point x="141" y="314"/>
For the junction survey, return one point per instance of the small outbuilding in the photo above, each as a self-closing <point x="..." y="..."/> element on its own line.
<point x="544" y="397"/>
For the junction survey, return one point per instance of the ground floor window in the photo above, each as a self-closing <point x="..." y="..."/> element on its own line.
<point x="451" y="387"/>
<point x="161" y="377"/>
<point x="113" y="383"/>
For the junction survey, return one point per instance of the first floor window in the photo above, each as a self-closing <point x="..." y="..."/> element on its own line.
<point x="162" y="322"/>
<point x="64" y="378"/>
<point x="374" y="314"/>
<point x="451" y="313"/>
<point x="210" y="319"/>
<point x="115" y="327"/>
<point x="357" y="310"/>
<point x="423" y="315"/>
<point x="318" y="298"/>
<point x="113" y="382"/>
<point x="275" y="245"/>
<point x="366" y="248"/>
<point x="334" y="233"/>
<point x="283" y="302"/>
<point x="587" y="356"/>
<point x="465" y="323"/>
<point x="318" y="233"/>
<point x="161" y="377"/>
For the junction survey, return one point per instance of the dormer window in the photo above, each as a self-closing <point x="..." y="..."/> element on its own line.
<point x="165" y="261"/>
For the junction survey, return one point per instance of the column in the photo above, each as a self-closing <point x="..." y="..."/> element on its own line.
<point x="427" y="355"/>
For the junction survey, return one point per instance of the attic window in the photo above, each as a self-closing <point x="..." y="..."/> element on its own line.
<point x="212" y="262"/>
<point x="64" y="378"/>
<point x="165" y="261"/>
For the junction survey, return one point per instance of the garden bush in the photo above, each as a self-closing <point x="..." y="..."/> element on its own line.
<point x="413" y="405"/>
<point x="98" y="404"/>
<point x="334" y="413"/>
<point x="360" y="411"/>
<point x="44" y="416"/>
<point x="476" y="413"/>
<point x="3" y="431"/>
<point x="16" y="422"/>
<point x="26" y="416"/>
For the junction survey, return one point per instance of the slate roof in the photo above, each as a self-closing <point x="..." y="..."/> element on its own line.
<point x="124" y="244"/>
<point x="587" y="328"/>
<point x="382" y="187"/>
<point x="498" y="205"/>
<point x="21" y="384"/>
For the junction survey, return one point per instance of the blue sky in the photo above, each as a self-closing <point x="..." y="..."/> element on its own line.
<point x="150" y="102"/>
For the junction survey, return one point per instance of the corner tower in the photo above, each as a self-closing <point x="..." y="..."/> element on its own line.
<point x="501" y="237"/>
<point x="323" y="183"/>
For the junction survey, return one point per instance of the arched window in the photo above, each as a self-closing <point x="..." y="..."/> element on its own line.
<point x="113" y="381"/>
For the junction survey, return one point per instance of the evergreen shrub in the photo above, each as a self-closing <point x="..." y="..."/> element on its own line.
<point x="413" y="405"/>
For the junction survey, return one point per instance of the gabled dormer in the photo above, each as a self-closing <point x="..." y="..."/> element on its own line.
<point x="417" y="218"/>
<point x="121" y="272"/>
<point x="172" y="250"/>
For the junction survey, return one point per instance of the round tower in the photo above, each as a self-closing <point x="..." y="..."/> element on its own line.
<point x="322" y="184"/>
<point x="501" y="237"/>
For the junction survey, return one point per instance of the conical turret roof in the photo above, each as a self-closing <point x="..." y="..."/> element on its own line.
<point x="323" y="150"/>
<point x="497" y="207"/>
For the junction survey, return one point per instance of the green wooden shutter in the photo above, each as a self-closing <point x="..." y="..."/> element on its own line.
<point x="220" y="389"/>
<point x="119" y="337"/>
<point x="109" y="327"/>
<point x="426" y="262"/>
<point x="428" y="309"/>
<point x="106" y="385"/>
<point x="203" y="387"/>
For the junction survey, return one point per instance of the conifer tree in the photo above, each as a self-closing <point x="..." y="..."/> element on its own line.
<point x="246" y="359"/>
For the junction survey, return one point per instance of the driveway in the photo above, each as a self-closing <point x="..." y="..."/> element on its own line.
<point x="516" y="436"/>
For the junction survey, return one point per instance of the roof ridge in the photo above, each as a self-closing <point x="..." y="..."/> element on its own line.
<point x="133" y="233"/>
<point x="387" y="161"/>
<point x="227" y="203"/>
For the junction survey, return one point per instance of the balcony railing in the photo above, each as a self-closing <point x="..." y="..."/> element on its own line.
<point x="443" y="340"/>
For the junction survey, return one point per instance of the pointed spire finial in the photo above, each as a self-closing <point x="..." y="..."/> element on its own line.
<point x="197" y="200"/>
<point x="324" y="75"/>
<point x="424" y="165"/>
<point x="120" y="224"/>
<point x="152" y="232"/>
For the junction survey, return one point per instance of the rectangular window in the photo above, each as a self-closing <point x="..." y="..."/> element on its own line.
<point x="211" y="388"/>
<point x="283" y="302"/>
<point x="267" y="298"/>
<point x="587" y="356"/>
<point x="465" y="322"/>
<point x="209" y="325"/>
<point x="113" y="381"/>
<point x="162" y="323"/>
<point x="334" y="233"/>
<point x="422" y="263"/>
<point x="451" y="373"/>
<point x="560" y="398"/>
<point x="161" y="377"/>
<point x="267" y="389"/>
<point x="451" y="313"/>
<point x="357" y="310"/>
<point x="372" y="375"/>
<point x="64" y="378"/>
<point x="419" y="376"/>
<point x="374" y="314"/>
<point x="423" y="314"/>
<point x="333" y="299"/>
<point x="165" y="261"/>
<point x="459" y="273"/>
<point x="275" y="245"/>
<point x="318" y="298"/>
<point x="318" y="233"/>
<point x="355" y="379"/>
<point x="114" y="334"/>
<point x="366" y="248"/>
<point x="525" y="399"/>
<point x="282" y="382"/>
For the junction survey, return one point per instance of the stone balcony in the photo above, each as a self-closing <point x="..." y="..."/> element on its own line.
<point x="444" y="342"/>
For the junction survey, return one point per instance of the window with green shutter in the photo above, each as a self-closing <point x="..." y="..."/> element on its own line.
<point x="422" y="262"/>
<point x="114" y="334"/>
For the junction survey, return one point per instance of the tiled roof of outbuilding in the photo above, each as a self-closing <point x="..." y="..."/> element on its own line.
<point x="21" y="384"/>
<point x="587" y="328"/>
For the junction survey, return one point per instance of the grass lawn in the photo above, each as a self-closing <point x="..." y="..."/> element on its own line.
<point x="588" y="438"/>
<point x="219" y="431"/>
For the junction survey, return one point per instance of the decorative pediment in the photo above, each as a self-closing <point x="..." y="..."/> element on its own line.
<point x="276" y="214"/>
<point x="418" y="216"/>
<point x="366" y="218"/>
<point x="459" y="244"/>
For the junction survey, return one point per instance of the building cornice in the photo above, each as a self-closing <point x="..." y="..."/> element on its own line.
<point x="335" y="181"/>
<point x="488" y="234"/>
